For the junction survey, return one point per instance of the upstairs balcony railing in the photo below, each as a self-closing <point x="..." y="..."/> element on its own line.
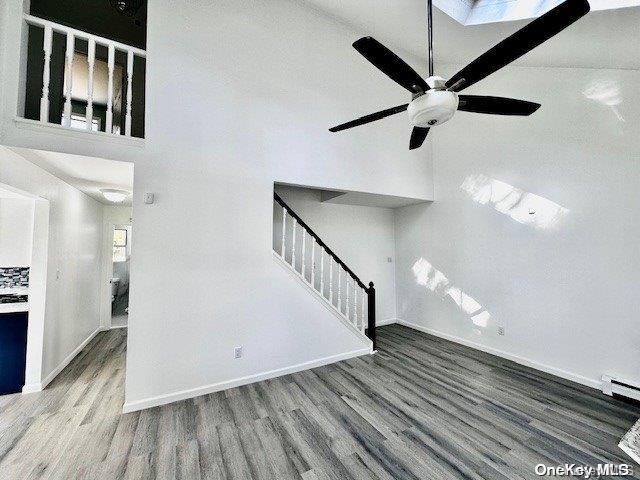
<point x="88" y="82"/>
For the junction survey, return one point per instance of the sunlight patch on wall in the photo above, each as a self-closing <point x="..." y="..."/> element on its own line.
<point x="435" y="281"/>
<point x="523" y="207"/>
<point x="607" y="93"/>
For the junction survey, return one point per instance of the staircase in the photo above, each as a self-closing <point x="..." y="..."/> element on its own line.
<point x="303" y="252"/>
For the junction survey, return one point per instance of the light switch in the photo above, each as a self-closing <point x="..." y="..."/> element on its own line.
<point x="149" y="198"/>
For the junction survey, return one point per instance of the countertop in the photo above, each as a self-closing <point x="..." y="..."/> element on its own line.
<point x="14" y="291"/>
<point x="14" y="307"/>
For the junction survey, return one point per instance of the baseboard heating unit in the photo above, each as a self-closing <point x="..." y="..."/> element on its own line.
<point x="613" y="385"/>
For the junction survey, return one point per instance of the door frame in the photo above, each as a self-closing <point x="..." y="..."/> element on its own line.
<point x="107" y="271"/>
<point x="38" y="270"/>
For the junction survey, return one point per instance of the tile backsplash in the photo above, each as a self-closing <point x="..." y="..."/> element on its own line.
<point x="11" y="277"/>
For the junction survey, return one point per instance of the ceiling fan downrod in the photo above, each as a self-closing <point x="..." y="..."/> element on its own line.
<point x="430" y="29"/>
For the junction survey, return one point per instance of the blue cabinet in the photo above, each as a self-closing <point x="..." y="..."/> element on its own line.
<point x="13" y="351"/>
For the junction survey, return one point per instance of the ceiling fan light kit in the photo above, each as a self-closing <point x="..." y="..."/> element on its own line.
<point x="434" y="107"/>
<point x="435" y="100"/>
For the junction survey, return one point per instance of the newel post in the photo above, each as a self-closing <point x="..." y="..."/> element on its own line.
<point x="371" y="302"/>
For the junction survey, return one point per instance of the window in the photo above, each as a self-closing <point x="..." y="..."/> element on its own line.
<point x="119" y="245"/>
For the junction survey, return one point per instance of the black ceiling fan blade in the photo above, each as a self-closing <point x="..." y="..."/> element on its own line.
<point x="372" y="117"/>
<point x="418" y="136"/>
<point x="390" y="64"/>
<point x="496" y="105"/>
<point x="521" y="42"/>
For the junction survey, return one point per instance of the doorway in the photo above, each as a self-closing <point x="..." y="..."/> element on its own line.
<point x="24" y="237"/>
<point x="121" y="266"/>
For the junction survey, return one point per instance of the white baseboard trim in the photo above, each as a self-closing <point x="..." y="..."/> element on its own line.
<point x="38" y="387"/>
<point x="115" y="327"/>
<point x="32" y="388"/>
<point x="387" y="321"/>
<point x="589" y="382"/>
<point x="238" y="382"/>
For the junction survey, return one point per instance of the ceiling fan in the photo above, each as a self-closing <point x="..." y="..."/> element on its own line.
<point x="435" y="100"/>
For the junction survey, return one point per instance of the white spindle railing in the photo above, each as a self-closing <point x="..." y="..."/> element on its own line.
<point x="346" y="308"/>
<point x="313" y="262"/>
<point x="340" y="290"/>
<point x="46" y="74"/>
<point x="347" y="303"/>
<point x="293" y="243"/>
<point x="322" y="271"/>
<point x="331" y="281"/>
<point x="363" y="294"/>
<point x="284" y="232"/>
<point x="93" y="41"/>
<point x="71" y="45"/>
<point x="303" y="267"/>
<point x="91" y="60"/>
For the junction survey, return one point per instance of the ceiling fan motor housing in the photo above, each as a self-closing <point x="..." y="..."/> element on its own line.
<point x="433" y="108"/>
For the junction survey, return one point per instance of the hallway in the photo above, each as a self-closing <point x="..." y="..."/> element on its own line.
<point x="421" y="408"/>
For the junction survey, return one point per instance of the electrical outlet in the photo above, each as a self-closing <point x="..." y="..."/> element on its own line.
<point x="237" y="352"/>
<point x="389" y="259"/>
<point x="500" y="330"/>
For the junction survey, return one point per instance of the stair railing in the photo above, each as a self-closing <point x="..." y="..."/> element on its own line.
<point x="333" y="280"/>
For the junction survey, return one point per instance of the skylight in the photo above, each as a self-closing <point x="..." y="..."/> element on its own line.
<point x="475" y="12"/>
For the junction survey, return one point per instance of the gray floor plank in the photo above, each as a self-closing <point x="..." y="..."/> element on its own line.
<point x="422" y="407"/>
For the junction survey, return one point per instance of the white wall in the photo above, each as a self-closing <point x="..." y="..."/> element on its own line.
<point x="3" y="41"/>
<point x="16" y="230"/>
<point x="74" y="249"/>
<point x="567" y="296"/>
<point x="117" y="214"/>
<point x="253" y="88"/>
<point x="363" y="237"/>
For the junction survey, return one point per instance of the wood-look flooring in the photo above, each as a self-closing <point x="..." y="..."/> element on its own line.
<point x="422" y="408"/>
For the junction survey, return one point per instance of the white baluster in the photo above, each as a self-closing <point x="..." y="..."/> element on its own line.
<point x="340" y="289"/>
<point x="46" y="74"/>
<point x="284" y="231"/>
<point x="111" y="67"/>
<point x="331" y="280"/>
<point x="313" y="262"/>
<point x="91" y="60"/>
<point x="355" y="303"/>
<point x="71" y="45"/>
<point x="303" y="267"/>
<point x="127" y="124"/>
<point x="346" y="308"/>
<point x="364" y="295"/>
<point x="322" y="271"/>
<point x="293" y="243"/>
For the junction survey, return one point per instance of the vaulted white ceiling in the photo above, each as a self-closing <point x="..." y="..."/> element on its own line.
<point x="603" y="39"/>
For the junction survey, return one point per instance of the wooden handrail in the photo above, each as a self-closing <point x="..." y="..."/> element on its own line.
<point x="319" y="240"/>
